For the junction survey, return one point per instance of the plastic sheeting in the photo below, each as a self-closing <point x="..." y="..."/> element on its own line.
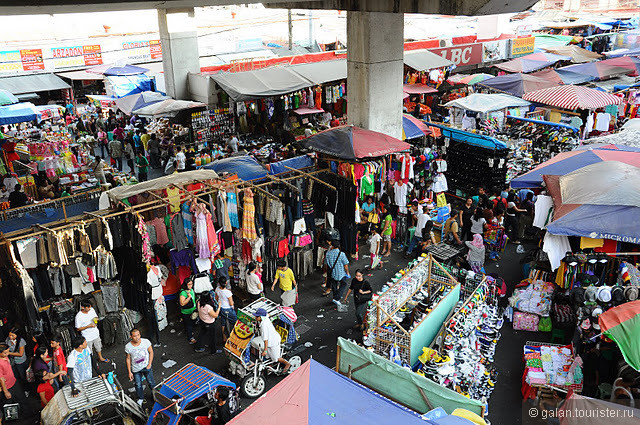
<point x="124" y="85"/>
<point x="479" y="102"/>
<point x="18" y="112"/>
<point x="398" y="383"/>
<point x="187" y="177"/>
<point x="602" y="183"/>
<point x="298" y="162"/>
<point x="245" y="166"/>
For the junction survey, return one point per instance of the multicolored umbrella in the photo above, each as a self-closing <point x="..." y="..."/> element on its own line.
<point x="601" y="70"/>
<point x="474" y="79"/>
<point x="562" y="77"/>
<point x="577" y="54"/>
<point x="413" y="128"/>
<point x="622" y="324"/>
<point x="117" y="69"/>
<point x="7" y="98"/>
<point x="351" y="142"/>
<point x="573" y="97"/>
<point x="532" y="62"/>
<point x="517" y="84"/>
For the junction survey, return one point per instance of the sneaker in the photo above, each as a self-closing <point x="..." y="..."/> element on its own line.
<point x="336" y="302"/>
<point x="140" y="401"/>
<point x="199" y="350"/>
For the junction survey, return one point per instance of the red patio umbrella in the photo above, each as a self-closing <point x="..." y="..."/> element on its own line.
<point x="572" y="97"/>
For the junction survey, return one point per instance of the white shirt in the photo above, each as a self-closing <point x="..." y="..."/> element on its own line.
<point x="181" y="159"/>
<point x="139" y="354"/>
<point x="373" y="243"/>
<point x="477" y="226"/>
<point x="233" y="144"/>
<point x="602" y="121"/>
<point x="422" y="221"/>
<point x="400" y="196"/>
<point x="10" y="183"/>
<point x="268" y="332"/>
<point x="84" y="319"/>
<point x="223" y="296"/>
<point x="81" y="364"/>
<point x="253" y="284"/>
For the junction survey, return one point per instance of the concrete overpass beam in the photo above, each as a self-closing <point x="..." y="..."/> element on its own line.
<point x="179" y="49"/>
<point x="374" y="68"/>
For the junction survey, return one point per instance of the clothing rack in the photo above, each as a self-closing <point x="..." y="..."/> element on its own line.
<point x="311" y="177"/>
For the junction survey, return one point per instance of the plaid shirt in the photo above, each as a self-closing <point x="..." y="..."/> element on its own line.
<point x="338" y="271"/>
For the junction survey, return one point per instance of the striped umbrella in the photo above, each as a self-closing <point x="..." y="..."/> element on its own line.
<point x="622" y="324"/>
<point x="413" y="128"/>
<point x="475" y="78"/>
<point x="572" y="97"/>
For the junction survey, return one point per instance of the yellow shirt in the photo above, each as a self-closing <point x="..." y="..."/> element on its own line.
<point x="286" y="279"/>
<point x="145" y="141"/>
<point x="173" y="195"/>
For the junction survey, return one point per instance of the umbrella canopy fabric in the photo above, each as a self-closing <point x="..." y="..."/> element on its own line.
<point x="351" y="142"/>
<point x="413" y="128"/>
<point x="628" y="62"/>
<point x="132" y="102"/>
<point x="167" y="108"/>
<point x="532" y="62"/>
<point x="573" y="97"/>
<point x="475" y="78"/>
<point x="602" y="183"/>
<point x="632" y="124"/>
<point x="315" y="394"/>
<point x="622" y="324"/>
<point x="480" y="102"/>
<point x="562" y="77"/>
<point x="306" y="111"/>
<point x="418" y="89"/>
<point x="18" y="112"/>
<point x="117" y="69"/>
<point x="245" y="166"/>
<point x="577" y="54"/>
<point x="517" y="84"/>
<point x="628" y="139"/>
<point x="123" y="192"/>
<point x="7" y="98"/>
<point x="566" y="162"/>
<point x="598" y="70"/>
<point x="623" y="52"/>
<point x="578" y="403"/>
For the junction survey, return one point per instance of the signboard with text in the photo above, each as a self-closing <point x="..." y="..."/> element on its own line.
<point x="464" y="54"/>
<point x="522" y="46"/>
<point x="92" y="55"/>
<point x="155" y="49"/>
<point x="64" y="57"/>
<point x="32" y="59"/>
<point x="143" y="50"/>
<point x="10" y="60"/>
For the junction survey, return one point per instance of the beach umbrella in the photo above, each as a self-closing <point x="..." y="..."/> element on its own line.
<point x="117" y="69"/>
<point x="136" y="101"/>
<point x="622" y="324"/>
<point x="577" y="54"/>
<point x="573" y="97"/>
<point x="7" y="98"/>
<point x="532" y="62"/>
<point x="601" y="70"/>
<point x="517" y="84"/>
<point x="475" y="78"/>
<point x="413" y="128"/>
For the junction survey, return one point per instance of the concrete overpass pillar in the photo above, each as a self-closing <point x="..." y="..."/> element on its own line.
<point x="179" y="49"/>
<point x="375" y="69"/>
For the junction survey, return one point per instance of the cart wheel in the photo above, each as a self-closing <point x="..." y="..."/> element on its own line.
<point x="295" y="363"/>
<point x="253" y="387"/>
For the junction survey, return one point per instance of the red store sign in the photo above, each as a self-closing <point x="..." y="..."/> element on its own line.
<point x="464" y="54"/>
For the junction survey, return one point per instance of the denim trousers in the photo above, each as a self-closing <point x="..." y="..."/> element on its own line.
<point x="138" y="376"/>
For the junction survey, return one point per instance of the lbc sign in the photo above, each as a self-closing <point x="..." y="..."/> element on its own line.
<point x="464" y="54"/>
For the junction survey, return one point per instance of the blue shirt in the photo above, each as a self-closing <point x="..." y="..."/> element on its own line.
<point x="368" y="207"/>
<point x="338" y="271"/>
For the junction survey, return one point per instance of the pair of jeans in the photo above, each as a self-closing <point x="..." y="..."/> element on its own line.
<point x="361" y="310"/>
<point x="143" y="374"/>
<point x="229" y="316"/>
<point x="188" y="325"/>
<point x="511" y="227"/>
<point x="207" y="337"/>
<point x="413" y="244"/>
<point x="338" y="287"/>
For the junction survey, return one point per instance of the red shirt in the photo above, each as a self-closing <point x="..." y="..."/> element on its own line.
<point x="58" y="358"/>
<point x="7" y="373"/>
<point x="335" y="123"/>
<point x="48" y="391"/>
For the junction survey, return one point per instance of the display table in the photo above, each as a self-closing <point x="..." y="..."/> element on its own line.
<point x="552" y="365"/>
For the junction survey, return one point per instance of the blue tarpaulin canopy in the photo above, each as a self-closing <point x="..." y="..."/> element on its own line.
<point x="297" y="162"/>
<point x="486" y="142"/>
<point x="18" y="112"/>
<point x="124" y="85"/>
<point x="245" y="166"/>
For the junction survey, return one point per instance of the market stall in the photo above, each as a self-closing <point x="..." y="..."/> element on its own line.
<point x="516" y="84"/>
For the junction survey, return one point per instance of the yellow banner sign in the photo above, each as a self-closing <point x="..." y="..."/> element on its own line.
<point x="239" y="339"/>
<point x="522" y="46"/>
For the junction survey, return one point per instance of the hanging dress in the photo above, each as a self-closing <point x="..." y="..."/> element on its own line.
<point x="232" y="207"/>
<point x="202" y="238"/>
<point x="212" y="236"/>
<point x="248" y="220"/>
<point x="187" y="222"/>
<point x="223" y="211"/>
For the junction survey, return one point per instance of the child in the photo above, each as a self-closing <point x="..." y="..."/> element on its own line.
<point x="4" y="194"/>
<point x="45" y="389"/>
<point x="374" y="247"/>
<point x="285" y="279"/>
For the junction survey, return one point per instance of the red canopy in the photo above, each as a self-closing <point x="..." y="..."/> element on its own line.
<point x="351" y="142"/>
<point x="572" y="97"/>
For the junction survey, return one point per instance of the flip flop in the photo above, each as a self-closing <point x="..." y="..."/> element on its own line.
<point x="106" y="361"/>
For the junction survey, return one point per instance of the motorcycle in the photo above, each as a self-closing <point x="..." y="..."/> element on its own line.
<point x="254" y="383"/>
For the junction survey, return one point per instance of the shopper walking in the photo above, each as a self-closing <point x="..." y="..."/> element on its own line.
<point x="337" y="265"/>
<point x="139" y="360"/>
<point x="80" y="363"/>
<point x="154" y="151"/>
<point x="11" y="387"/>
<point x="511" y="221"/>
<point x="188" y="307"/>
<point x="87" y="324"/>
<point x="103" y="141"/>
<point x="143" y="166"/>
<point x="129" y="154"/>
<point x="115" y="152"/>
<point x="465" y="214"/>
<point x="375" y="240"/>
<point x="478" y="222"/>
<point x="254" y="285"/>
<point x="285" y="279"/>
<point x="362" y="293"/>
<point x="476" y="254"/>
<point x="98" y="170"/>
<point x="224" y="298"/>
<point x="421" y="221"/>
<point x="17" y="354"/>
<point x="207" y="316"/>
<point x="181" y="159"/>
<point x="387" y="231"/>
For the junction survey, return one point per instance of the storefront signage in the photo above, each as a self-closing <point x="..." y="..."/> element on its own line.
<point x="239" y="339"/>
<point x="64" y="57"/>
<point x="143" y="50"/>
<point x="524" y="31"/>
<point x="618" y="238"/>
<point x="32" y="59"/>
<point x="10" y="61"/>
<point x="522" y="46"/>
<point x="465" y="54"/>
<point x="155" y="48"/>
<point x="495" y="50"/>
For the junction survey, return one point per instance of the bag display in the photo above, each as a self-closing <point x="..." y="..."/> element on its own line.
<point x="525" y="321"/>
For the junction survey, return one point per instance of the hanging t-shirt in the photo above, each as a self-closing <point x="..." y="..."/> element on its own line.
<point x="80" y="362"/>
<point x="400" y="196"/>
<point x="139" y="354"/>
<point x="602" y="122"/>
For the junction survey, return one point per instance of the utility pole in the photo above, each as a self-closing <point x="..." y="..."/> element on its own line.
<point x="290" y="29"/>
<point x="311" y="28"/>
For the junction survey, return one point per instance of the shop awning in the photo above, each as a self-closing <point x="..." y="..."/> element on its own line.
<point x="23" y="97"/>
<point x="424" y="60"/>
<point x="18" y="112"/>
<point x="33" y="83"/>
<point x="351" y="142"/>
<point x="475" y="139"/>
<point x="322" y="72"/>
<point x="517" y="84"/>
<point x="573" y="97"/>
<point x="259" y="83"/>
<point x="418" y="89"/>
<point x="167" y="108"/>
<point x="479" y="102"/>
<point x="245" y="166"/>
<point x="80" y="75"/>
<point x="123" y="192"/>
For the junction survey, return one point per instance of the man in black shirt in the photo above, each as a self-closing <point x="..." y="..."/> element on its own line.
<point x="222" y="411"/>
<point x="361" y="296"/>
<point x="17" y="198"/>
